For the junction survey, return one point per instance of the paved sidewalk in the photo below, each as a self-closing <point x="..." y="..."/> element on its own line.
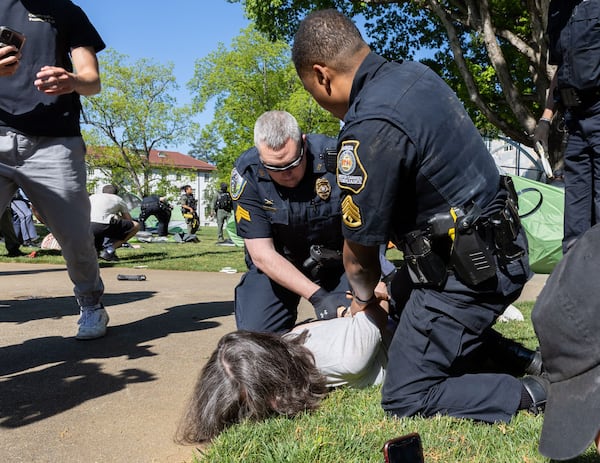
<point x="116" y="399"/>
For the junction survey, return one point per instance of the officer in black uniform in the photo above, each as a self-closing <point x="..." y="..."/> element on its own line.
<point x="574" y="46"/>
<point x="188" y="204"/>
<point x="159" y="207"/>
<point x="286" y="203"/>
<point x="413" y="168"/>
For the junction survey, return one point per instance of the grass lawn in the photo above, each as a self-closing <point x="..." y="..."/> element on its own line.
<point x="350" y="426"/>
<point x="205" y="256"/>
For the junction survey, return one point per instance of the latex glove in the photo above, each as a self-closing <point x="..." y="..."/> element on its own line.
<point x="541" y="134"/>
<point x="326" y="303"/>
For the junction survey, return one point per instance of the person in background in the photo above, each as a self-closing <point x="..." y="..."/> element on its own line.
<point x="287" y="209"/>
<point x="7" y="230"/>
<point x="441" y="200"/>
<point x="23" y="219"/>
<point x="41" y="148"/>
<point x="188" y="204"/>
<point x="159" y="207"/>
<point x="111" y="222"/>
<point x="574" y="37"/>
<point x="222" y="207"/>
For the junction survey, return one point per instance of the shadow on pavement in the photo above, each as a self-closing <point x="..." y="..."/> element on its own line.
<point x="64" y="374"/>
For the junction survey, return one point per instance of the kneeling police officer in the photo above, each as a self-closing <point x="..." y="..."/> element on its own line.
<point x="287" y="209"/>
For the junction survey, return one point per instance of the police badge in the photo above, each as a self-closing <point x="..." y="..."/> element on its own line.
<point x="323" y="188"/>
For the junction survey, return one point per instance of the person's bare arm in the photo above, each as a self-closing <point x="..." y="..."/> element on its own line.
<point x="54" y="80"/>
<point x="278" y="268"/>
<point x="363" y="271"/>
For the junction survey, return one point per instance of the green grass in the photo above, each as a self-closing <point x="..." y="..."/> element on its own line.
<point x="205" y="256"/>
<point x="350" y="426"/>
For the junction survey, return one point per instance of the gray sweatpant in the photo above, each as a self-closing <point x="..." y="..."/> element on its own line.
<point x="52" y="173"/>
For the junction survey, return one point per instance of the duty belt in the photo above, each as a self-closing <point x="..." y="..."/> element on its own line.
<point x="475" y="245"/>
<point x="571" y="97"/>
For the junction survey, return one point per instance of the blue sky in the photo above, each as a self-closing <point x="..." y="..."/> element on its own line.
<point x="178" y="31"/>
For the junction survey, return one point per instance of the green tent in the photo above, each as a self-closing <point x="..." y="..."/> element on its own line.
<point x="232" y="232"/>
<point x="541" y="208"/>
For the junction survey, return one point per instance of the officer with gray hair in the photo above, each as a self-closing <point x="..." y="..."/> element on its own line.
<point x="287" y="209"/>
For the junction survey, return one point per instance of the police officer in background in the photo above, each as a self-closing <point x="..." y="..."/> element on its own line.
<point x="188" y="204"/>
<point x="285" y="202"/>
<point x="413" y="168"/>
<point x="159" y="207"/>
<point x="574" y="46"/>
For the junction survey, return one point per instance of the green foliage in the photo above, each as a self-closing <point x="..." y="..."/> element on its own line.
<point x="135" y="112"/>
<point x="254" y="75"/>
<point x="500" y="72"/>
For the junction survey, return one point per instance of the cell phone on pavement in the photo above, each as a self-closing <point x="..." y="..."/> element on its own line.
<point x="404" y="449"/>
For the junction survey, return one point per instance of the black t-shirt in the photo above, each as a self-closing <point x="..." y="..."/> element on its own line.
<point x="52" y="29"/>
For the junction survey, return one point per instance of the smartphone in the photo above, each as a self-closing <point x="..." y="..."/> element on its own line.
<point x="9" y="37"/>
<point x="404" y="449"/>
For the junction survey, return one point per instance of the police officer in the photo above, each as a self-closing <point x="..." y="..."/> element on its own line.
<point x="574" y="46"/>
<point x="188" y="204"/>
<point x="222" y="206"/>
<point x="157" y="206"/>
<point x="285" y="202"/>
<point x="413" y="168"/>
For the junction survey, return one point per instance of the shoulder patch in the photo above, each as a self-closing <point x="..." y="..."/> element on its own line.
<point x="351" y="213"/>
<point x="237" y="184"/>
<point x="351" y="175"/>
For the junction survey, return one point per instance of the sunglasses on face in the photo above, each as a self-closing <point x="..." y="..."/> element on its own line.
<point x="295" y="163"/>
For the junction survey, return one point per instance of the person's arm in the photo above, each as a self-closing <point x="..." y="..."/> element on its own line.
<point x="362" y="267"/>
<point x="278" y="268"/>
<point x="542" y="129"/>
<point x="54" y="80"/>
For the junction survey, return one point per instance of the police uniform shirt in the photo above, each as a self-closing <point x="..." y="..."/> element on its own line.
<point x="574" y="42"/>
<point x="406" y="153"/>
<point x="52" y="29"/>
<point x="296" y="217"/>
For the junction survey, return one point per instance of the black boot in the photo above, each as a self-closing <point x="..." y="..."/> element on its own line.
<point x="512" y="357"/>
<point x="534" y="394"/>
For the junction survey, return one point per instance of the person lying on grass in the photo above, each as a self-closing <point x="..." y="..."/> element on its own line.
<point x="253" y="375"/>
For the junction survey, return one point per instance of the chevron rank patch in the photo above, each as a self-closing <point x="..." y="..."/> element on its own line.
<point x="351" y="213"/>
<point x="242" y="214"/>
<point x="351" y="174"/>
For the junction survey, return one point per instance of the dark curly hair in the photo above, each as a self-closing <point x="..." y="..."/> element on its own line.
<point x="251" y="376"/>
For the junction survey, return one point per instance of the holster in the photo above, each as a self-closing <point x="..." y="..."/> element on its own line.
<point x="505" y="226"/>
<point x="425" y="267"/>
<point x="321" y="258"/>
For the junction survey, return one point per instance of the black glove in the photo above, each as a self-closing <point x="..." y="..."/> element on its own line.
<point x="326" y="303"/>
<point x="541" y="134"/>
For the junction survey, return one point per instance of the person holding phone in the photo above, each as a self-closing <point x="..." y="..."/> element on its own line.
<point x="41" y="148"/>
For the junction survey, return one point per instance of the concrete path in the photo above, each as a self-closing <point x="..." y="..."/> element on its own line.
<point x="119" y="398"/>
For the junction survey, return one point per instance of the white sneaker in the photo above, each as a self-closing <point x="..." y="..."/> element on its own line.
<point x="92" y="323"/>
